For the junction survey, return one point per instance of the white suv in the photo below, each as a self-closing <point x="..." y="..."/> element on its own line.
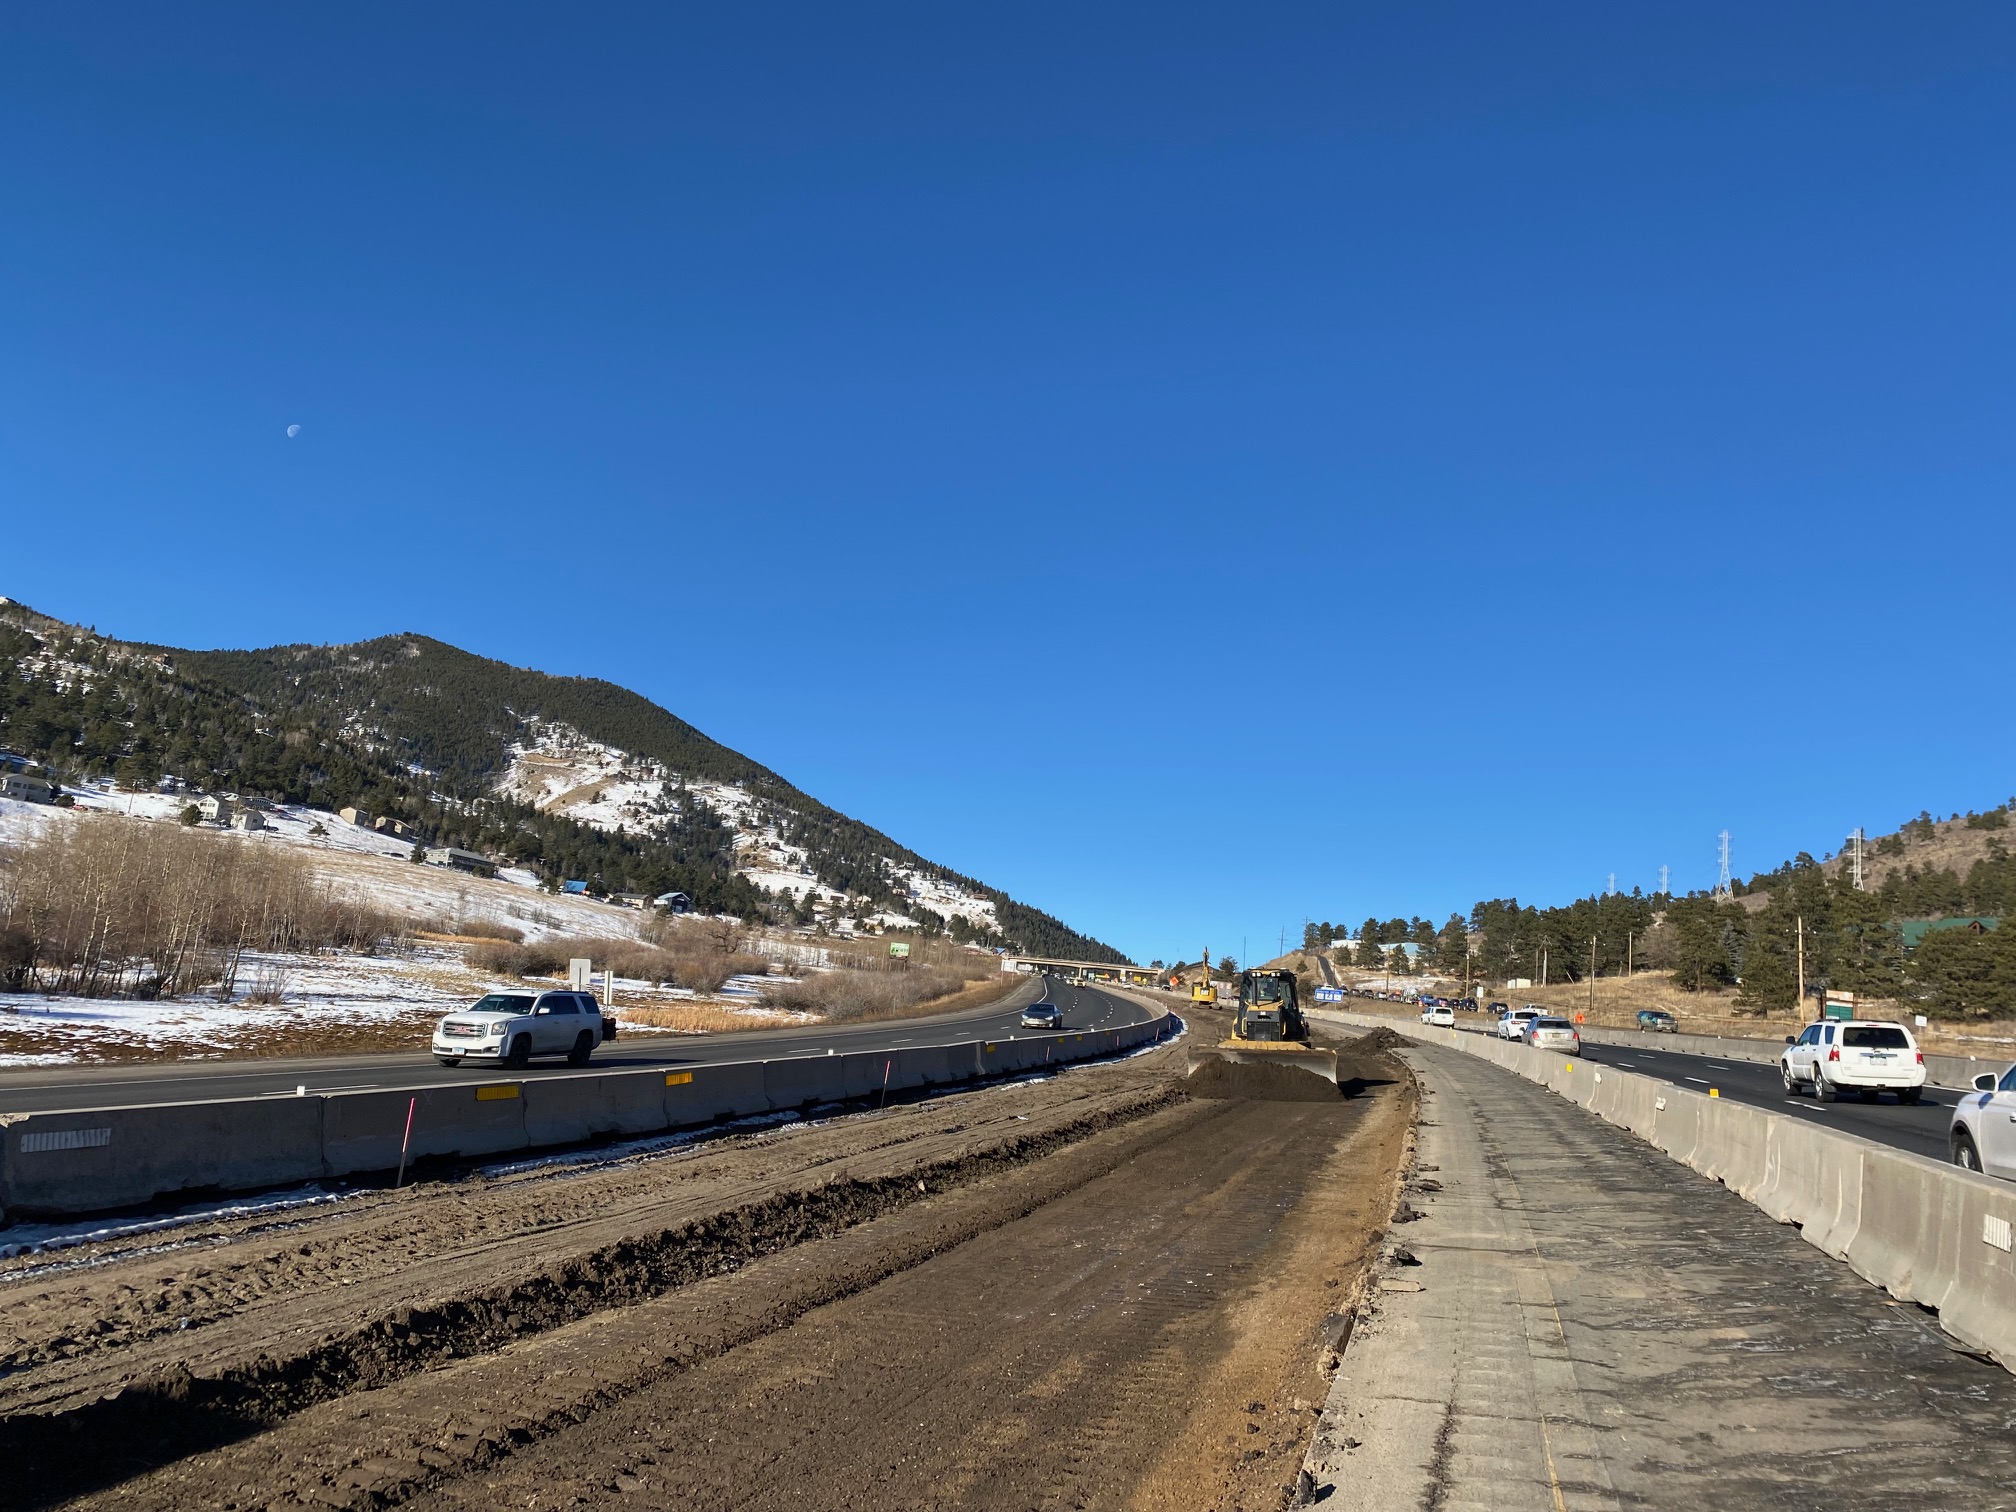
<point x="509" y="1028"/>
<point x="1440" y="1016"/>
<point x="1982" y="1135"/>
<point x="1854" y="1055"/>
<point x="1513" y="1025"/>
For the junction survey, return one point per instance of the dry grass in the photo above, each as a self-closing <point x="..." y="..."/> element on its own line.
<point x="859" y="996"/>
<point x="695" y="963"/>
<point x="703" y="1018"/>
<point x="1619" y="999"/>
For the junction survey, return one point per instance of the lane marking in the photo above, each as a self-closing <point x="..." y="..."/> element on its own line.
<point x="1701" y="1079"/>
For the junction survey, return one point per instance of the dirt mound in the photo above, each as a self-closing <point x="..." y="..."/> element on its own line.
<point x="1260" y="1083"/>
<point x="1381" y="1038"/>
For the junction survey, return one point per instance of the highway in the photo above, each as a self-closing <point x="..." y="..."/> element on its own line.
<point x="1920" y="1129"/>
<point x="46" y="1089"/>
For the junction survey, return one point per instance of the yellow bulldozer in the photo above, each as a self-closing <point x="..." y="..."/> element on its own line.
<point x="1268" y="1029"/>
<point x="1205" y="991"/>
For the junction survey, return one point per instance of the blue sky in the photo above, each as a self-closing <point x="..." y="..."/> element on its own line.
<point x="1197" y="467"/>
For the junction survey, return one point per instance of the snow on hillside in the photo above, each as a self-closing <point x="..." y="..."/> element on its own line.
<point x="560" y="770"/>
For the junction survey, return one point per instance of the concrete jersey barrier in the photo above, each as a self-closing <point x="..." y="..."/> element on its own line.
<point x="94" y="1160"/>
<point x="1925" y="1232"/>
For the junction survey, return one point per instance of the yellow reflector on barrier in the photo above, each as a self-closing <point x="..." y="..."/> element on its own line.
<point x="496" y="1094"/>
<point x="1714" y="1091"/>
<point x="678" y="1078"/>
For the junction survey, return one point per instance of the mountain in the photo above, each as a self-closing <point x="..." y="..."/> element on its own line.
<point x="573" y="777"/>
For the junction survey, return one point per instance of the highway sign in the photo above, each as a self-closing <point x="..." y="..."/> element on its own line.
<point x="1329" y="994"/>
<point x="899" y="949"/>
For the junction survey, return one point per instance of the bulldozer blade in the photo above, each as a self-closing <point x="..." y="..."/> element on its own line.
<point x="1316" y="1062"/>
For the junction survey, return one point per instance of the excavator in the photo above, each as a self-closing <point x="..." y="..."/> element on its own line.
<point x="1268" y="1029"/>
<point x="1205" y="992"/>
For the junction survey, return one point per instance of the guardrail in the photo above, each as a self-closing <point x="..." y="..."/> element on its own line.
<point x="1925" y="1232"/>
<point x="97" y="1159"/>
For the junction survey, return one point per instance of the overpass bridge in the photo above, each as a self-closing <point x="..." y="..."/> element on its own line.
<point x="1084" y="971"/>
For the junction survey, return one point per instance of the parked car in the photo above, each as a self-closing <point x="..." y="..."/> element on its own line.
<point x="509" y="1028"/>
<point x="1439" y="1016"/>
<point x="1498" y="1008"/>
<point x="1512" y="1025"/>
<point x="1982" y="1135"/>
<point x="1554" y="1034"/>
<point x="1042" y="1016"/>
<point x="1866" y="1056"/>
<point x="1657" y="1021"/>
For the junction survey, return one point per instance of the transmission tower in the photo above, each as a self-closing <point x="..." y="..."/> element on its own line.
<point x="1855" y="859"/>
<point x="1724" y="891"/>
<point x="1664" y="890"/>
<point x="1611" y="890"/>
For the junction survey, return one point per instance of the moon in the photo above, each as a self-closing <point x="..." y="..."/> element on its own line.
<point x="293" y="431"/>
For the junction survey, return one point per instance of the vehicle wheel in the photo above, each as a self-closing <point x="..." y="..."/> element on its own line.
<point x="584" y="1046"/>
<point x="519" y="1052"/>
<point x="1908" y="1096"/>
<point x="1821" y="1088"/>
<point x="1791" y="1085"/>
<point x="449" y="1060"/>
<point x="1963" y="1153"/>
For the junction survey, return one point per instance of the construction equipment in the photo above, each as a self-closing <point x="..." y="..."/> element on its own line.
<point x="1268" y="1029"/>
<point x="1205" y="991"/>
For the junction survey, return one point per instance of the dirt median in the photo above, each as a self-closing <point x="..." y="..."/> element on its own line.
<point x="1060" y="1270"/>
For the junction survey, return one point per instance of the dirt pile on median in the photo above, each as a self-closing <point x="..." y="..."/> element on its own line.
<point x="1381" y="1038"/>
<point x="1258" y="1082"/>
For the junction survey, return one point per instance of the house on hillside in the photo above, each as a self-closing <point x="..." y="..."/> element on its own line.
<point x="247" y="820"/>
<point x="462" y="860"/>
<point x="23" y="788"/>
<point x="398" y="829"/>
<point x="630" y="900"/>
<point x="1915" y="930"/>
<point x="576" y="888"/>
<point x="673" y="902"/>
<point x="357" y="816"/>
<point x="215" y="808"/>
<point x="11" y="761"/>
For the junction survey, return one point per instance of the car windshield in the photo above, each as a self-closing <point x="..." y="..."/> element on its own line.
<point x="502" y="1002"/>
<point x="1874" y="1037"/>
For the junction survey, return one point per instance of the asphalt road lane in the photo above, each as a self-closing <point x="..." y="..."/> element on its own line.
<point x="1920" y="1129"/>
<point x="55" y="1088"/>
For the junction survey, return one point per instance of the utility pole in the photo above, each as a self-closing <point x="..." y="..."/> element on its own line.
<point x="1592" y="973"/>
<point x="1630" y="935"/>
<point x="1799" y="921"/>
<point x="1543" y="965"/>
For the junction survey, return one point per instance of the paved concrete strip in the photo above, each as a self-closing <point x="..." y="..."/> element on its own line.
<point x="1599" y="1327"/>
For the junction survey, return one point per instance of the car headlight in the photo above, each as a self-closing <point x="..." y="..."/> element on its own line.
<point x="495" y="1030"/>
